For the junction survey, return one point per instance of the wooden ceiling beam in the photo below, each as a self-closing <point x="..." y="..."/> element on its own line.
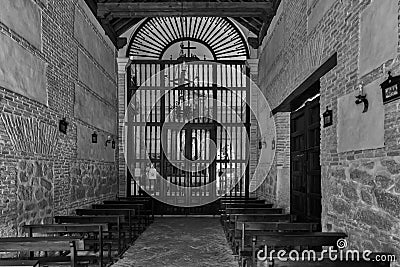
<point x="126" y="26"/>
<point x="248" y="25"/>
<point x="196" y="9"/>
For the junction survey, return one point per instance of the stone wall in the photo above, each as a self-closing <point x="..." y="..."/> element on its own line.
<point x="40" y="72"/>
<point x="360" y="186"/>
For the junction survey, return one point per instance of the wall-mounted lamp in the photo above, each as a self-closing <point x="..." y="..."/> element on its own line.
<point x="362" y="98"/>
<point x="62" y="126"/>
<point x="328" y="117"/>
<point x="390" y="88"/>
<point x="262" y="143"/>
<point x="94" y="137"/>
<point x="110" y="140"/>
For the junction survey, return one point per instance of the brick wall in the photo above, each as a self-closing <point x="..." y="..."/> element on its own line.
<point x="41" y="174"/>
<point x="361" y="188"/>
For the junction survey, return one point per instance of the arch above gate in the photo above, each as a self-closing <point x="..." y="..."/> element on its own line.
<point x="209" y="38"/>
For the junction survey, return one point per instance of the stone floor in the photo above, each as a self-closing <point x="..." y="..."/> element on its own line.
<point x="186" y="242"/>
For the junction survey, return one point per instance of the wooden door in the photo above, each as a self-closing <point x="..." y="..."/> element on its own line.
<point x="305" y="162"/>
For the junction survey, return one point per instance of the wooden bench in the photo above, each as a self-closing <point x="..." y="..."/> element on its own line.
<point x="252" y="243"/>
<point x="243" y="229"/>
<point x="128" y="213"/>
<point x="19" y="263"/>
<point x="233" y="218"/>
<point x="226" y="213"/>
<point x="242" y="201"/>
<point x="254" y="211"/>
<point x="46" y="244"/>
<point x="140" y="212"/>
<point x="83" y="230"/>
<point x="247" y="205"/>
<point x="148" y="204"/>
<point x="114" y="223"/>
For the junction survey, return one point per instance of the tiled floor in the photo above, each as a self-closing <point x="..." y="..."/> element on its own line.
<point x="186" y="242"/>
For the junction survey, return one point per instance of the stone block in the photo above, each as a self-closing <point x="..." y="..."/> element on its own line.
<point x="388" y="201"/>
<point x="357" y="130"/>
<point x="21" y="71"/>
<point x="341" y="206"/>
<point x="378" y="34"/>
<point x="366" y="196"/>
<point x="46" y="184"/>
<point x="91" y="110"/>
<point x="95" y="79"/>
<point x="350" y="191"/>
<point x="383" y="180"/>
<point x="339" y="173"/>
<point x="392" y="166"/>
<point x="316" y="11"/>
<point x="373" y="218"/>
<point x="89" y="39"/>
<point x="24" y="17"/>
<point x="362" y="177"/>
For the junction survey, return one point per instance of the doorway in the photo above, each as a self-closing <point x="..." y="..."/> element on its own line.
<point x="305" y="177"/>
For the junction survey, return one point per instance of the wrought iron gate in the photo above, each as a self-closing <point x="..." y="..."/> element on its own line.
<point x="216" y="123"/>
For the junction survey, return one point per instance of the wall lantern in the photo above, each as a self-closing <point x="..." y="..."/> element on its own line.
<point x="390" y="88"/>
<point x="328" y="117"/>
<point x="362" y="98"/>
<point x="62" y="126"/>
<point x="110" y="140"/>
<point x="94" y="137"/>
<point x="262" y="143"/>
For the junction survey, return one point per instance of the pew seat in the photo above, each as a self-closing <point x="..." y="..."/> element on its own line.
<point x="19" y="263"/>
<point x="116" y="234"/>
<point x="70" y="245"/>
<point x="91" y="234"/>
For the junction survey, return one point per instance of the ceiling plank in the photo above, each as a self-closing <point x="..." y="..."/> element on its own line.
<point x="248" y="25"/>
<point x="199" y="9"/>
<point x="122" y="28"/>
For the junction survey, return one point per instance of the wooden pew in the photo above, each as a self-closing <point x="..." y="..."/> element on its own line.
<point x="115" y="226"/>
<point x="242" y="201"/>
<point x="229" y="210"/>
<point x="233" y="219"/>
<point x="19" y="263"/>
<point x="47" y="244"/>
<point x="243" y="229"/>
<point x="140" y="212"/>
<point x="128" y="213"/>
<point x="82" y="229"/>
<point x="254" y="211"/>
<point x="252" y="242"/>
<point x="148" y="203"/>
<point x="247" y="205"/>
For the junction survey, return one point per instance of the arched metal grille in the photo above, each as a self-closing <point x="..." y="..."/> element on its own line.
<point x="155" y="35"/>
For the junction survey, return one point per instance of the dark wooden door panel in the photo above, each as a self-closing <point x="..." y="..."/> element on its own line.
<point x="305" y="162"/>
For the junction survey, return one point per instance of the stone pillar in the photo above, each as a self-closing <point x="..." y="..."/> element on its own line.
<point x="123" y="63"/>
